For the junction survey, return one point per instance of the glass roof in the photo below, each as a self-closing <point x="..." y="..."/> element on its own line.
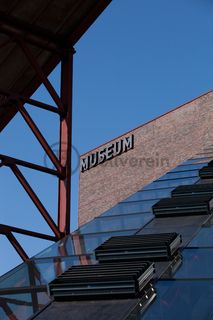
<point x="23" y="290"/>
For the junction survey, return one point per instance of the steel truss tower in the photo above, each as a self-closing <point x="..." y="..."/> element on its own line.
<point x="62" y="164"/>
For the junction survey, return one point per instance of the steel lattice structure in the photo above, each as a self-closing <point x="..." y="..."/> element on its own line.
<point x="63" y="164"/>
<point x="40" y="50"/>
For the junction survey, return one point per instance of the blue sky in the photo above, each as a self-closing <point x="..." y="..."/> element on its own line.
<point x="140" y="59"/>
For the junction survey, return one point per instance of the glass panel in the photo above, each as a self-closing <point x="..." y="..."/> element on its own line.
<point x="132" y="221"/>
<point x="197" y="160"/>
<point x="31" y="274"/>
<point x="171" y="183"/>
<point x="206" y="153"/>
<point x="64" y="247"/>
<point x="91" y="241"/>
<point x="130" y="207"/>
<point x="80" y="244"/>
<point x="49" y="268"/>
<point x="17" y="277"/>
<point x="21" y="306"/>
<point x="178" y="175"/>
<point x="197" y="263"/>
<point x="185" y="300"/>
<point x="72" y="250"/>
<point x="152" y="194"/>
<point x="192" y="166"/>
<point x="203" y="239"/>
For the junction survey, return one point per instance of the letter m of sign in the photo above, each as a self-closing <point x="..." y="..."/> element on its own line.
<point x="84" y="164"/>
<point x="128" y="143"/>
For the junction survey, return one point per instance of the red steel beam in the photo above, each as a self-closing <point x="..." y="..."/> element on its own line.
<point x="17" y="246"/>
<point x="23" y="290"/>
<point x="47" y="40"/>
<point x="16" y="97"/>
<point x="29" y="90"/>
<point x="75" y="35"/>
<point x="62" y="248"/>
<point x="63" y="164"/>
<point x="32" y="280"/>
<point x="40" y="104"/>
<point x="34" y="273"/>
<point x="36" y="201"/>
<point x="7" y="161"/>
<point x="5" y="229"/>
<point x="65" y="156"/>
<point x="19" y="302"/>
<point x="8" y="311"/>
<point x="40" y="137"/>
<point x="79" y="248"/>
<point x="41" y="75"/>
<point x="16" y="30"/>
<point x="57" y="266"/>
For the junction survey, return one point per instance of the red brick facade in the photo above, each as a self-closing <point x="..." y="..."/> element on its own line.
<point x="160" y="145"/>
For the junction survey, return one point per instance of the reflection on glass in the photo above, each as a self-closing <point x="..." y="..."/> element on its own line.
<point x="197" y="160"/>
<point x="130" y="207"/>
<point x="50" y="268"/>
<point x="74" y="249"/>
<point x="193" y="166"/>
<point x="171" y="183"/>
<point x="85" y="244"/>
<point x="64" y="247"/>
<point x="203" y="239"/>
<point x="91" y="241"/>
<point x="178" y="175"/>
<point x="197" y="263"/>
<point x="150" y="194"/>
<point x="80" y="244"/>
<point x="17" y="277"/>
<point x="132" y="221"/>
<point x="185" y="300"/>
<point x="21" y="306"/>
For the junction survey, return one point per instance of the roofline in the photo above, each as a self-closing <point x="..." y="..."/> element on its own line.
<point x="88" y="21"/>
<point x="77" y="33"/>
<point x="140" y="126"/>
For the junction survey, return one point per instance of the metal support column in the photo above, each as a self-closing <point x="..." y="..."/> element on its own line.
<point x="65" y="143"/>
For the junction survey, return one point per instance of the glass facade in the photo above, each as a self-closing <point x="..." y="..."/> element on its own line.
<point x="23" y="290"/>
<point x="181" y="299"/>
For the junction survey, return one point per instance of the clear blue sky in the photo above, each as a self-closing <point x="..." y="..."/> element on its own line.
<point x="140" y="59"/>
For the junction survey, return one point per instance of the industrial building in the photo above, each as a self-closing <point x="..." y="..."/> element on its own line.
<point x="143" y="249"/>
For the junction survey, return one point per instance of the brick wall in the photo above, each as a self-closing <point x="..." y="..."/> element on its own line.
<point x="160" y="145"/>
